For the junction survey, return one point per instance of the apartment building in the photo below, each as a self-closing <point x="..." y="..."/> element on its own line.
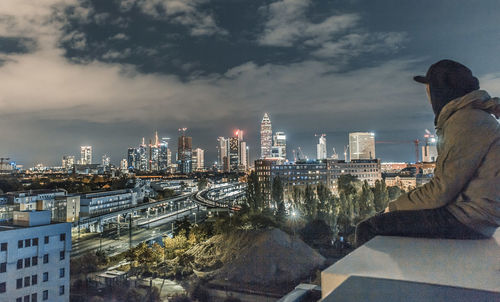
<point x="34" y="258"/>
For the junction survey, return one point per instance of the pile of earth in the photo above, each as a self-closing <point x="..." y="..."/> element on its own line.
<point x="265" y="257"/>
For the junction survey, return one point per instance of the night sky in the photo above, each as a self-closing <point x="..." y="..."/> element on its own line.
<point x="107" y="73"/>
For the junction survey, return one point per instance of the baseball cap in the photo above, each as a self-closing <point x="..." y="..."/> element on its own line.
<point x="448" y="73"/>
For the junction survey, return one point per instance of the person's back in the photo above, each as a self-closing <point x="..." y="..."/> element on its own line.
<point x="463" y="198"/>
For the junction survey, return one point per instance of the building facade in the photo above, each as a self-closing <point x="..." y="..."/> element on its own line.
<point x="362" y="145"/>
<point x="279" y="145"/>
<point x="34" y="259"/>
<point x="67" y="162"/>
<point x="313" y="172"/>
<point x="98" y="203"/>
<point x="86" y="155"/>
<point x="198" y="159"/>
<point x="185" y="154"/>
<point x="266" y="133"/>
<point x="321" y="152"/>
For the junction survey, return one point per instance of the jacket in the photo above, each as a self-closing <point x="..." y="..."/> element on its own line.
<point x="467" y="175"/>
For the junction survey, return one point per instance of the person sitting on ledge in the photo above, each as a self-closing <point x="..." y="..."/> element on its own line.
<point x="462" y="200"/>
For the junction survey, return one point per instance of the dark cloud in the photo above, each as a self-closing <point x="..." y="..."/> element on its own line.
<point x="107" y="73"/>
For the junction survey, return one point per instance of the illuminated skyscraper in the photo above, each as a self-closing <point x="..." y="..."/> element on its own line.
<point x="222" y="154"/>
<point x="362" y="145"/>
<point x="279" y="145"/>
<point x="106" y="160"/>
<point x="164" y="161"/>
<point x="68" y="161"/>
<point x="266" y="134"/>
<point x="198" y="159"/>
<point x="185" y="152"/>
<point x="321" y="148"/>
<point x="86" y="155"/>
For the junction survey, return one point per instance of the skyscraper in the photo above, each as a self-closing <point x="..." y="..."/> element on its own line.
<point x="279" y="145"/>
<point x="198" y="159"/>
<point x="164" y="161"/>
<point x="86" y="155"/>
<point x="321" y="148"/>
<point x="185" y="152"/>
<point x="362" y="145"/>
<point x="266" y="134"/>
<point x="106" y="161"/>
<point x="68" y="161"/>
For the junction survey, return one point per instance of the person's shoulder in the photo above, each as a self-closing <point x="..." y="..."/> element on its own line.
<point x="473" y="121"/>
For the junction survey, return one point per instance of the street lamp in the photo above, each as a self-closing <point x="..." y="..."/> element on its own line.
<point x="194" y="217"/>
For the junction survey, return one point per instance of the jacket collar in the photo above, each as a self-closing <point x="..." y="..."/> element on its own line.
<point x="478" y="99"/>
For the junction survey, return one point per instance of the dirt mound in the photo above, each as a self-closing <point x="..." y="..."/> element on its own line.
<point x="256" y="257"/>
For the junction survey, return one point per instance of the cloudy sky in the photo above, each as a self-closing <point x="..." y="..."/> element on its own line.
<point x="107" y="73"/>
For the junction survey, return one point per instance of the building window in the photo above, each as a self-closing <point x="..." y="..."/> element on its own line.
<point x="61" y="290"/>
<point x="35" y="241"/>
<point x="3" y="267"/>
<point x="27" y="281"/>
<point x="19" y="244"/>
<point x="61" y="273"/>
<point x="62" y="237"/>
<point x="46" y="240"/>
<point x="34" y="279"/>
<point x="27" y="242"/>
<point x="34" y="297"/>
<point x="46" y="258"/>
<point x="34" y="260"/>
<point x="27" y="262"/>
<point x="20" y="264"/>
<point x="19" y="299"/>
<point x="3" y="246"/>
<point x="3" y="287"/>
<point x="45" y="295"/>
<point x="45" y="276"/>
<point x="19" y="283"/>
<point x="27" y="298"/>
<point x="62" y="255"/>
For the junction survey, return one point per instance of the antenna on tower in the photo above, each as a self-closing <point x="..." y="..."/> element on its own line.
<point x="183" y="131"/>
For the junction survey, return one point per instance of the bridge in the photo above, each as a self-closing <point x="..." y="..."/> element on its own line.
<point x="222" y="197"/>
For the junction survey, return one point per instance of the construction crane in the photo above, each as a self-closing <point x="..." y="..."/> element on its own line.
<point x="415" y="142"/>
<point x="345" y="152"/>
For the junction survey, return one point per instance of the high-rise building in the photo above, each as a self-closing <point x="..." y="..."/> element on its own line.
<point x="35" y="258"/>
<point x="222" y="153"/>
<point x="198" y="159"/>
<point x="185" y="153"/>
<point x="321" y="148"/>
<point x="124" y="165"/>
<point x="234" y="153"/>
<point x="165" y="159"/>
<point x="266" y="134"/>
<point x="106" y="161"/>
<point x="279" y="145"/>
<point x="429" y="150"/>
<point x="68" y="161"/>
<point x="362" y="145"/>
<point x="243" y="155"/>
<point x="142" y="156"/>
<point x="86" y="155"/>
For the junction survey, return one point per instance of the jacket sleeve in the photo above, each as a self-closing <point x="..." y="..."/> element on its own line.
<point x="466" y="140"/>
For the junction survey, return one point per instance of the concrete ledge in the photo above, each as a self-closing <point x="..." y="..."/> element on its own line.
<point x="473" y="264"/>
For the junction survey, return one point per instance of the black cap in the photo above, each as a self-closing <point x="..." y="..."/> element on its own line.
<point x="449" y="74"/>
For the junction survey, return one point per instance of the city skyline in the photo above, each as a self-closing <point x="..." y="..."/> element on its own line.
<point x="79" y="73"/>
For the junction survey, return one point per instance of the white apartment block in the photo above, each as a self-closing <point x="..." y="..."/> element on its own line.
<point x="34" y="258"/>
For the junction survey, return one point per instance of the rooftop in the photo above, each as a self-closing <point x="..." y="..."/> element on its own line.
<point x="442" y="267"/>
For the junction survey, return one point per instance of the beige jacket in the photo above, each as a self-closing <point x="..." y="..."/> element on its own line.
<point x="467" y="175"/>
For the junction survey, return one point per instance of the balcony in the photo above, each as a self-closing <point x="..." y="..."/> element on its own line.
<point x="416" y="269"/>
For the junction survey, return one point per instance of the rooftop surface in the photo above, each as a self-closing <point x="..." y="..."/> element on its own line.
<point x="466" y="264"/>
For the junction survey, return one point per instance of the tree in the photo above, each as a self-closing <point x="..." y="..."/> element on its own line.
<point x="281" y="213"/>
<point x="277" y="190"/>
<point x="348" y="184"/>
<point x="310" y="203"/>
<point x="202" y="184"/>
<point x="365" y="202"/>
<point x="297" y="195"/>
<point x="394" y="192"/>
<point x="323" y="194"/>
<point x="254" y="196"/>
<point x="183" y="226"/>
<point x="380" y="195"/>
